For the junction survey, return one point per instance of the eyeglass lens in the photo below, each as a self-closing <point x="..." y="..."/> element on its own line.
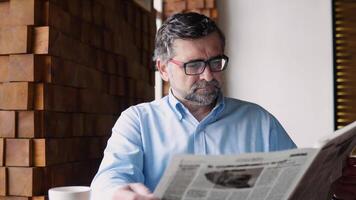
<point x="197" y="67"/>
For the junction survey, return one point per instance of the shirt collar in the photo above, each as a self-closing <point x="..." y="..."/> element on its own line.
<point x="177" y="106"/>
<point x="180" y="110"/>
<point x="220" y="104"/>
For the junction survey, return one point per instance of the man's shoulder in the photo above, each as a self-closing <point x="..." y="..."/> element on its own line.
<point x="238" y="103"/>
<point x="152" y="106"/>
<point x="245" y="108"/>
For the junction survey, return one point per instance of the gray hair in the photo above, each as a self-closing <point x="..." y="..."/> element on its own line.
<point x="183" y="26"/>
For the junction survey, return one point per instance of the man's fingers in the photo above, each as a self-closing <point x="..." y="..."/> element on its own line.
<point x="126" y="193"/>
<point x="151" y="197"/>
<point x="133" y="191"/>
<point x="139" y="188"/>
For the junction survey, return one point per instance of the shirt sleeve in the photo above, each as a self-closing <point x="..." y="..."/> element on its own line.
<point x="279" y="138"/>
<point x="123" y="157"/>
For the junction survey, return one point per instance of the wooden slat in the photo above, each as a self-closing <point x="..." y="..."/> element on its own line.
<point x="87" y="12"/>
<point x="26" y="181"/>
<point x="50" y="69"/>
<point x="65" y="72"/>
<point x="25" y="12"/>
<point x="175" y="6"/>
<point x="54" y="151"/>
<point x="7" y="124"/>
<point x="99" y="125"/>
<point x="2" y="151"/>
<point x="82" y="171"/>
<point x="55" y="98"/>
<point x="3" y="181"/>
<point x="4" y="68"/>
<point x="18" y="152"/>
<point x="78" y="125"/>
<point x="75" y="7"/>
<point x="98" y="14"/>
<point x="40" y="124"/>
<point x="345" y="36"/>
<point x="106" y="104"/>
<point x="209" y="3"/>
<point x="48" y="40"/>
<point x="41" y="40"/>
<point x="15" y="39"/>
<point x="4" y="13"/>
<point x="23" y="198"/>
<point x="16" y="96"/>
<point x="30" y="124"/>
<point x="56" y="175"/>
<point x="39" y="152"/>
<point x="57" y="124"/>
<point x="39" y="198"/>
<point x="26" y="67"/>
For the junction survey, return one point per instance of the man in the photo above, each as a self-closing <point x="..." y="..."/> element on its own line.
<point x="195" y="118"/>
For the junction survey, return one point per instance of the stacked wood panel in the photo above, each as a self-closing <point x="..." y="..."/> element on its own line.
<point x="205" y="7"/>
<point x="344" y="61"/>
<point x="67" y="70"/>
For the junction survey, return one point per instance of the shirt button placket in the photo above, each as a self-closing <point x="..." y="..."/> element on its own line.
<point x="199" y="141"/>
<point x="202" y="139"/>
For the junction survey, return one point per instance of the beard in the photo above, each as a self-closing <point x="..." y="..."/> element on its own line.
<point x="204" y="93"/>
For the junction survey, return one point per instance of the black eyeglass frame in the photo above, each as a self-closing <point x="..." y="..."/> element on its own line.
<point x="206" y="63"/>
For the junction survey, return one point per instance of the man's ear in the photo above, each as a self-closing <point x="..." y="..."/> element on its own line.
<point x="163" y="69"/>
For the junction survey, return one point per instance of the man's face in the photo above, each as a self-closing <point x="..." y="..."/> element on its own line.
<point x="201" y="89"/>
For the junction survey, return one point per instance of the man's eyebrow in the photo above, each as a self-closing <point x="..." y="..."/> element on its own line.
<point x="197" y="59"/>
<point x="201" y="59"/>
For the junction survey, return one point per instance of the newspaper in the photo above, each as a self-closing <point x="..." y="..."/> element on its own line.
<point x="305" y="173"/>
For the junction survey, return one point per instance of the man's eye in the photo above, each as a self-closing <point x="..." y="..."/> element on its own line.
<point x="216" y="63"/>
<point x="195" y="65"/>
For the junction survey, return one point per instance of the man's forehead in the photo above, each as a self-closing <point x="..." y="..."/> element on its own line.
<point x="190" y="48"/>
<point x="213" y="37"/>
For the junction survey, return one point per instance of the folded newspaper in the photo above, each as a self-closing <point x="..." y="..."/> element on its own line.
<point x="297" y="174"/>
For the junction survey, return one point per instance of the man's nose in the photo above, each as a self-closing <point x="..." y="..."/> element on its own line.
<point x="207" y="74"/>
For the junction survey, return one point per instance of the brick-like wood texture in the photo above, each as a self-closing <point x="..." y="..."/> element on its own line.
<point x="25" y="67"/>
<point x="16" y="96"/>
<point x="25" y="181"/>
<point x="67" y="70"/>
<point x="3" y="181"/>
<point x="15" y="39"/>
<point x="4" y="68"/>
<point x="7" y="124"/>
<point x="18" y="152"/>
<point x="2" y="151"/>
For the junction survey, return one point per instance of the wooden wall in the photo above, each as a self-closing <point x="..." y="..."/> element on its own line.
<point x="344" y="24"/>
<point x="67" y="70"/>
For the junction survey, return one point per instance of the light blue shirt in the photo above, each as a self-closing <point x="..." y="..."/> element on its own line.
<point x="146" y="136"/>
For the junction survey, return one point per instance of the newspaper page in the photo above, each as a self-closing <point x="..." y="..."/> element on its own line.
<point x="327" y="165"/>
<point x="257" y="176"/>
<point x="293" y="174"/>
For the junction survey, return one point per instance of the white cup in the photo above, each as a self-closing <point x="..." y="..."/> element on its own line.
<point x="69" y="193"/>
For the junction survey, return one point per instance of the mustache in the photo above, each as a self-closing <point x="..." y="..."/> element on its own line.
<point x="203" y="83"/>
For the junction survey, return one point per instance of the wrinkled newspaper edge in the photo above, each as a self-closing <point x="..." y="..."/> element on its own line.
<point x="300" y="172"/>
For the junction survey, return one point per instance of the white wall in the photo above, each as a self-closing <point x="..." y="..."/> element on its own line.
<point x="157" y="4"/>
<point x="281" y="58"/>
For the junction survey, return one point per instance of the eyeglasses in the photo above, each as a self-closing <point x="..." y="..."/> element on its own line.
<point x="196" y="67"/>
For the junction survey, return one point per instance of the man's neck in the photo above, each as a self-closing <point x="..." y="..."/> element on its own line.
<point x="198" y="111"/>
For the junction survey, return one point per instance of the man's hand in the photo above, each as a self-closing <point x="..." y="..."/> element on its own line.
<point x="134" y="191"/>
